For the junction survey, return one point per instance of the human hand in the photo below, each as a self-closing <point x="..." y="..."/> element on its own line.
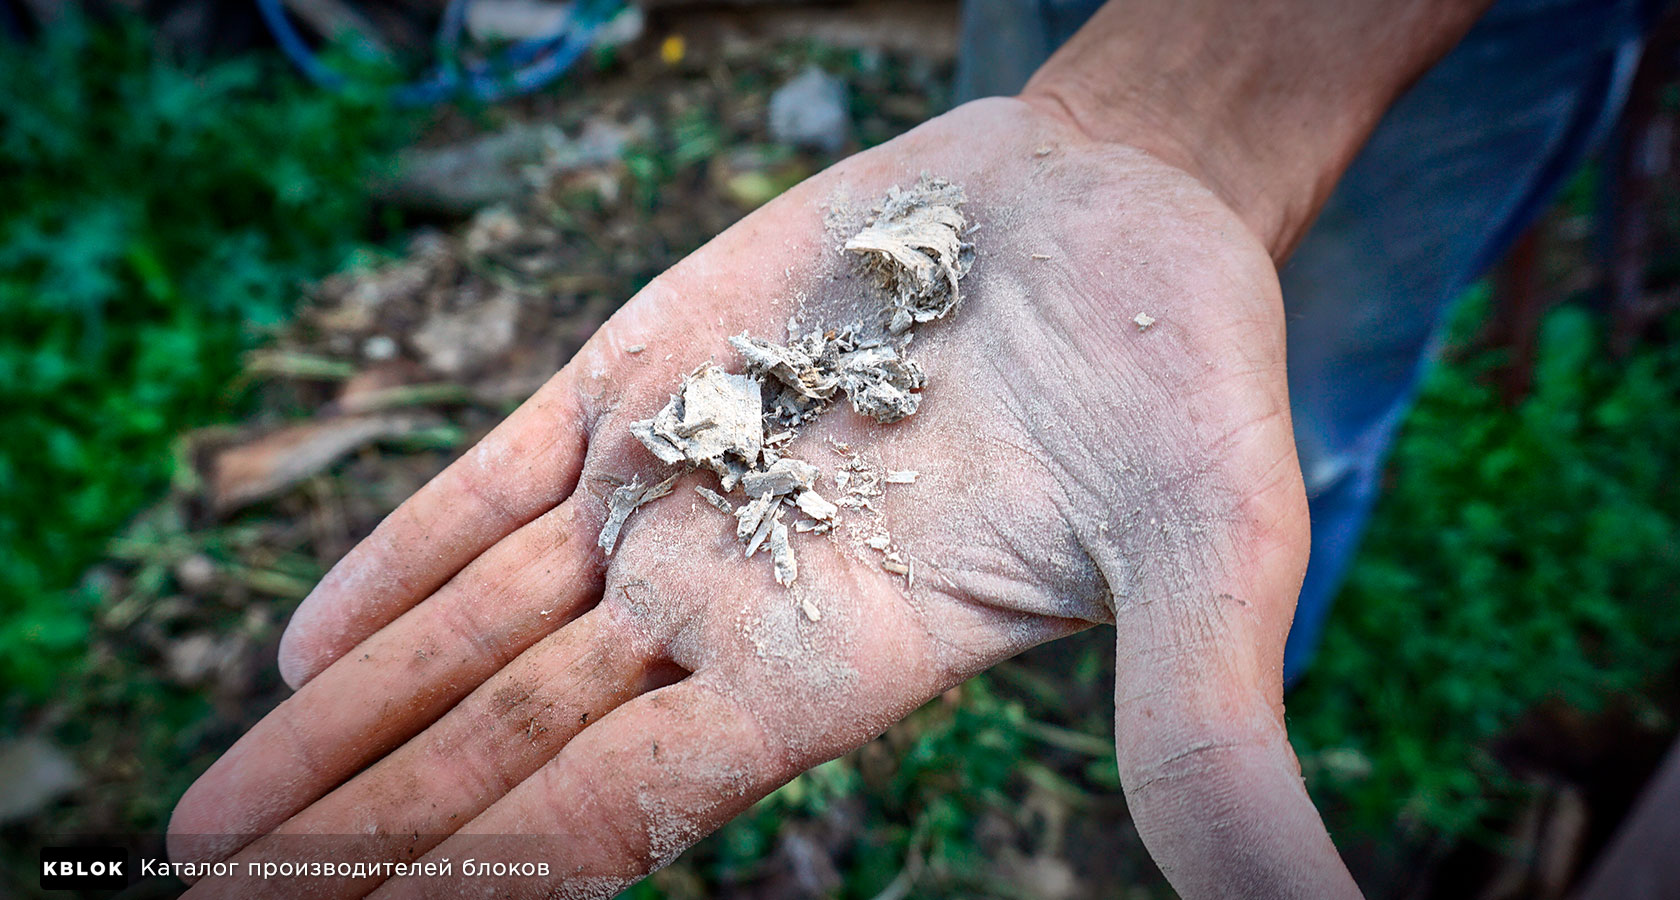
<point x="478" y="666"/>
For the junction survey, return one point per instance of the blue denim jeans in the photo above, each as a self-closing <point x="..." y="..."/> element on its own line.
<point x="1456" y="170"/>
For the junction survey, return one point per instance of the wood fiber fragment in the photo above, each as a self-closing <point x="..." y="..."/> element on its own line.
<point x="714" y="421"/>
<point x="812" y="504"/>
<point x="781" y="554"/>
<point x="915" y="249"/>
<point x="715" y="499"/>
<point x="784" y="477"/>
<point x="625" y="500"/>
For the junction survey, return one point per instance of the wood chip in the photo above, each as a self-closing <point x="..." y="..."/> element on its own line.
<point x="917" y="250"/>
<point x="765" y="527"/>
<point x="812" y="504"/>
<point x="785" y="477"/>
<point x="749" y="515"/>
<point x="781" y="554"/>
<point x="715" y="499"/>
<point x="714" y="421"/>
<point x="625" y="500"/>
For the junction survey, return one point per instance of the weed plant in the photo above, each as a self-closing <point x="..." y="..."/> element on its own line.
<point x="158" y="216"/>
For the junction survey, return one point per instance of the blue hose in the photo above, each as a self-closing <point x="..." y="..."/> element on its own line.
<point x="521" y="68"/>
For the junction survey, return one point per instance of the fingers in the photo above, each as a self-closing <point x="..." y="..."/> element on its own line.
<point x="624" y="797"/>
<point x="1208" y="772"/>
<point x="523" y="468"/>
<point x="398" y="682"/>
<point x="504" y="731"/>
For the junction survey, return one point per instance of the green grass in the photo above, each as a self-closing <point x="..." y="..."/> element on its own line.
<point x="158" y="215"/>
<point x="1518" y="556"/>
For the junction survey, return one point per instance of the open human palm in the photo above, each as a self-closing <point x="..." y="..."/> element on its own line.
<point x="479" y="679"/>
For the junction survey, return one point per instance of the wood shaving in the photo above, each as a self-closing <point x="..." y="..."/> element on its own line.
<point x="715" y="499"/>
<point x="781" y="554"/>
<point x="749" y="515"/>
<point x="785" y="476"/>
<point x="812" y="504"/>
<point x="715" y="421"/>
<point x="915" y="248"/>
<point x="624" y="501"/>
<point x="810" y="371"/>
<point x="766" y="525"/>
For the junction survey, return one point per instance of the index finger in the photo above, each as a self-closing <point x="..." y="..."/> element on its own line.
<point x="528" y="465"/>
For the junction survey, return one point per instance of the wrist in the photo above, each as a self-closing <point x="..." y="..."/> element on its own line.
<point x="1265" y="103"/>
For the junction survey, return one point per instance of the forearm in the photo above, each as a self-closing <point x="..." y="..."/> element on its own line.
<point x="1265" y="102"/>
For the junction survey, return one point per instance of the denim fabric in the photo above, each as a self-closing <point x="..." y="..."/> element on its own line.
<point x="1455" y="171"/>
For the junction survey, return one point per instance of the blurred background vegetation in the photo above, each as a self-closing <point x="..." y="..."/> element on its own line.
<point x="158" y="219"/>
<point x="182" y="235"/>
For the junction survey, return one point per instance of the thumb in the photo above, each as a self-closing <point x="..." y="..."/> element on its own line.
<point x="1209" y="775"/>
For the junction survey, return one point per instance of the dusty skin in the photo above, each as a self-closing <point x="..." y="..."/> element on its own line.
<point x="913" y="250"/>
<point x="479" y="666"/>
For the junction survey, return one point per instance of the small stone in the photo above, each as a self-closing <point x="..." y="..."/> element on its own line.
<point x="1144" y="320"/>
<point x="379" y="348"/>
<point x="811" y="111"/>
<point x="195" y="572"/>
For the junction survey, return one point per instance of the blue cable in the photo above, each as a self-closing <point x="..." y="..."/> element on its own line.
<point x="521" y="68"/>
